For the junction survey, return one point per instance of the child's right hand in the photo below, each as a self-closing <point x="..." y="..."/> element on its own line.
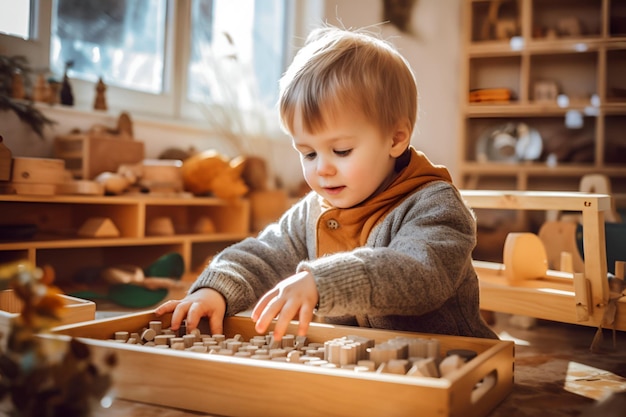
<point x="205" y="302"/>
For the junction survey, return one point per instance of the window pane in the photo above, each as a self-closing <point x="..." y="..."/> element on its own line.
<point x="237" y="51"/>
<point x="120" y="40"/>
<point x="17" y="22"/>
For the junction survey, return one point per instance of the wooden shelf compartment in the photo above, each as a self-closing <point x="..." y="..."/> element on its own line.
<point x="496" y="72"/>
<point x="59" y="217"/>
<point x="570" y="146"/>
<point x="617" y="19"/>
<point x="548" y="14"/>
<point x="478" y="30"/>
<point x="62" y="218"/>
<point x="615" y="146"/>
<point x="224" y="218"/>
<point x="615" y="80"/>
<point x="13" y="255"/>
<point x="575" y="73"/>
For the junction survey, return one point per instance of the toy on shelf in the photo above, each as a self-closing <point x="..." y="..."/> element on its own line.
<point x="100" y="102"/>
<point x="210" y="172"/>
<point x="40" y="90"/>
<point x="99" y="149"/>
<point x="66" y="94"/>
<point x="129" y="285"/>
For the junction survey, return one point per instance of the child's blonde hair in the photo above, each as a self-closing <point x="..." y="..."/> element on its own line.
<point x="337" y="68"/>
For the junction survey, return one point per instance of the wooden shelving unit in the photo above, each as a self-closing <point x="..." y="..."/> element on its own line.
<point x="57" y="219"/>
<point x="580" y="46"/>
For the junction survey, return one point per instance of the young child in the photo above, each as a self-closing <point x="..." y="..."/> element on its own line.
<point x="384" y="239"/>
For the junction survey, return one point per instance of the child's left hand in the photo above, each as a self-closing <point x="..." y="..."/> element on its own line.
<point x="293" y="296"/>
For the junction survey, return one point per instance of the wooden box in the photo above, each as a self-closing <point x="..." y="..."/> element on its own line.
<point x="234" y="386"/>
<point x="76" y="310"/>
<point x="87" y="156"/>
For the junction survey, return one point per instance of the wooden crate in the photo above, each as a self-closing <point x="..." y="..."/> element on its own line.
<point x="233" y="386"/>
<point x="76" y="310"/>
<point x="86" y="155"/>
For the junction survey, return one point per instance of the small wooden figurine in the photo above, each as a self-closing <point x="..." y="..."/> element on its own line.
<point x="100" y="103"/>
<point x="40" y="91"/>
<point x="54" y="89"/>
<point x="67" y="97"/>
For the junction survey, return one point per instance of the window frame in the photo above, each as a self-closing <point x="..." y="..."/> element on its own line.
<point x="172" y="103"/>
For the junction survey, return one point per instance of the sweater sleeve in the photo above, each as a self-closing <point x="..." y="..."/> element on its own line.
<point x="245" y="271"/>
<point x="415" y="260"/>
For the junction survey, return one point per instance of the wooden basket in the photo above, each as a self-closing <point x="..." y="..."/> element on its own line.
<point x="233" y="386"/>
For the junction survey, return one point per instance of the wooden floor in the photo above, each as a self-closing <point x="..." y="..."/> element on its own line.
<point x="555" y="374"/>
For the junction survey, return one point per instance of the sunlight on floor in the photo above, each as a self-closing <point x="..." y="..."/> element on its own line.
<point x="592" y="382"/>
<point x="504" y="335"/>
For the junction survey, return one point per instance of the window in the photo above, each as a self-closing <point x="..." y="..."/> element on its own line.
<point x="16" y="23"/>
<point x="137" y="47"/>
<point x="236" y="40"/>
<point x="122" y="41"/>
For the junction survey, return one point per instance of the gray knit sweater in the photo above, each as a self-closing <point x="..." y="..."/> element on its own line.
<point x="414" y="273"/>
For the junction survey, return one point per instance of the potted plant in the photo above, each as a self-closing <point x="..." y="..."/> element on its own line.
<point x="12" y="97"/>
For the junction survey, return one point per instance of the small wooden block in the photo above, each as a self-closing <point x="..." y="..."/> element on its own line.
<point x="80" y="187"/>
<point x="98" y="227"/>
<point x="204" y="225"/>
<point x="524" y="257"/>
<point x="450" y="364"/>
<point x="161" y="226"/>
<point x="38" y="170"/>
<point x="148" y="335"/>
<point x="33" y="189"/>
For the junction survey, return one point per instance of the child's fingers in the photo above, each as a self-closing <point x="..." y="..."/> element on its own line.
<point x="194" y="313"/>
<point x="305" y="318"/>
<point x="216" y="324"/>
<point x="287" y="313"/>
<point x="269" y="312"/>
<point x="179" y="314"/>
<point x="166" y="307"/>
<point x="261" y="304"/>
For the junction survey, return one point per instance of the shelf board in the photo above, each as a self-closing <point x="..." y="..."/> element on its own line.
<point x="498" y="48"/>
<point x="539" y="169"/>
<point x="75" y="242"/>
<point x="122" y="199"/>
<point x="537" y="109"/>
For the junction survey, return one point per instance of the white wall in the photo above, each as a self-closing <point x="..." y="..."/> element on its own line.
<point x="433" y="54"/>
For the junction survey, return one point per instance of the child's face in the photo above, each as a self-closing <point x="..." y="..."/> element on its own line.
<point x="347" y="162"/>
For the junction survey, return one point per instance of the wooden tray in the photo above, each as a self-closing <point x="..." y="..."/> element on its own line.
<point x="76" y="310"/>
<point x="233" y="386"/>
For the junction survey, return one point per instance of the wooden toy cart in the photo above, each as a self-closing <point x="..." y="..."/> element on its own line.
<point x="579" y="298"/>
<point x="235" y="386"/>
